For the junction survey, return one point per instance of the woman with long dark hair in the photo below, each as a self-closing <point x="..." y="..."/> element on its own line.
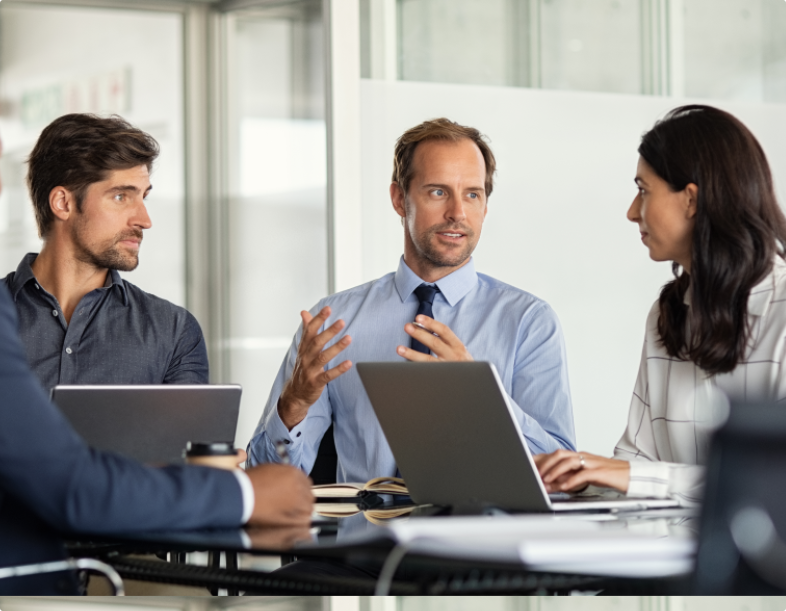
<point x="705" y="202"/>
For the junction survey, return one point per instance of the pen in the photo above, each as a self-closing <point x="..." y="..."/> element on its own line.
<point x="283" y="454"/>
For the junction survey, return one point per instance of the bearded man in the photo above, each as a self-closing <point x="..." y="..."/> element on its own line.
<point x="442" y="178"/>
<point x="80" y="322"/>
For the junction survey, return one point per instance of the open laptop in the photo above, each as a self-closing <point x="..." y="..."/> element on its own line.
<point x="150" y="423"/>
<point x="456" y="441"/>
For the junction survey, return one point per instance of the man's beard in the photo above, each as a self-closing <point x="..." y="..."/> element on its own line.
<point x="424" y="245"/>
<point x="109" y="256"/>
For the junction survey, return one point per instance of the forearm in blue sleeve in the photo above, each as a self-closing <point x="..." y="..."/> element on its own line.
<point x="541" y="388"/>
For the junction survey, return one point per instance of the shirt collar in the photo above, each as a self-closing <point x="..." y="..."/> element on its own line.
<point x="453" y="287"/>
<point x="24" y="274"/>
<point x="761" y="294"/>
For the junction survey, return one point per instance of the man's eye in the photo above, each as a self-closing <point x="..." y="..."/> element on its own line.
<point x="119" y="197"/>
<point x="439" y="192"/>
<point x="473" y="196"/>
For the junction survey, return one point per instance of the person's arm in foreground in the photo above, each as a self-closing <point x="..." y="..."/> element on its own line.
<point x="540" y="376"/>
<point x="46" y="466"/>
<point x="298" y="411"/>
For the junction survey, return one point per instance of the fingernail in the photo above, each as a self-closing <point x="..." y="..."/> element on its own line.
<point x="400" y="350"/>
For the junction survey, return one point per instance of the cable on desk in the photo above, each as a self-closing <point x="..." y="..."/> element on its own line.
<point x="389" y="568"/>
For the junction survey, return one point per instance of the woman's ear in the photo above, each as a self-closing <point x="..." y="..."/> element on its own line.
<point x="692" y="196"/>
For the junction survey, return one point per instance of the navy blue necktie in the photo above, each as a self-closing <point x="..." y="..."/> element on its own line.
<point x="425" y="294"/>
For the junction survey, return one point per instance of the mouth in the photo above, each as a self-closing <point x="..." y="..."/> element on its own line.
<point x="131" y="243"/>
<point x="644" y="235"/>
<point x="451" y="235"/>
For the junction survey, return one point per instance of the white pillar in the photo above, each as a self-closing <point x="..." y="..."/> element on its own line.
<point x="342" y="25"/>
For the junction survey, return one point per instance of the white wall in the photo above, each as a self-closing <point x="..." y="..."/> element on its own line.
<point x="556" y="225"/>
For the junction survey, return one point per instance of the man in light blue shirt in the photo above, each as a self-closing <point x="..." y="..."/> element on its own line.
<point x="443" y="175"/>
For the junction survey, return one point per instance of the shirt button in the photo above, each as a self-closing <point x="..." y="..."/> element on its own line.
<point x="38" y="287"/>
<point x="54" y="312"/>
<point x="68" y="351"/>
<point x="298" y="435"/>
<point x="82" y="311"/>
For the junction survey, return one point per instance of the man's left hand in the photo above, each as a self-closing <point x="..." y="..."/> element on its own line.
<point x="438" y="338"/>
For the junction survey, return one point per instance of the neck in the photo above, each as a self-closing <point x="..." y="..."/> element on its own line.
<point x="425" y="269"/>
<point x="61" y="274"/>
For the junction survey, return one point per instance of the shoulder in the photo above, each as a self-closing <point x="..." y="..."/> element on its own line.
<point x="159" y="309"/>
<point x="514" y="299"/>
<point x="357" y="294"/>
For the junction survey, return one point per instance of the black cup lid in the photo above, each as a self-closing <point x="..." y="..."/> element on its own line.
<point x="215" y="448"/>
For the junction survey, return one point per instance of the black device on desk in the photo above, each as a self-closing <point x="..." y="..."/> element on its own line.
<point x="742" y="540"/>
<point x="151" y="424"/>
<point x="457" y="442"/>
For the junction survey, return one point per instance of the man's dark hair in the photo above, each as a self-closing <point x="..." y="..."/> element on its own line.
<point x="438" y="129"/>
<point x="77" y="150"/>
<point x="739" y="229"/>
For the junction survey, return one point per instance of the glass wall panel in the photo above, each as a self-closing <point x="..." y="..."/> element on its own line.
<point x="277" y="207"/>
<point x="591" y="45"/>
<point x="735" y="49"/>
<point x="58" y="60"/>
<point x="464" y="41"/>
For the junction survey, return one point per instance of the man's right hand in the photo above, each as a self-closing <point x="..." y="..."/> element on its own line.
<point x="282" y="496"/>
<point x="309" y="377"/>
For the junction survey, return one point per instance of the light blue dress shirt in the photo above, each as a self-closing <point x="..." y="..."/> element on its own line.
<point x="517" y="332"/>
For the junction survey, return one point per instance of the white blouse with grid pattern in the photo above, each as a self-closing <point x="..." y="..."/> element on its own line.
<point x="668" y="431"/>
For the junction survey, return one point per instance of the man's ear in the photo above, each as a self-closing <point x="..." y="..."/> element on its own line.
<point x="692" y="193"/>
<point x="397" y="198"/>
<point x="62" y="203"/>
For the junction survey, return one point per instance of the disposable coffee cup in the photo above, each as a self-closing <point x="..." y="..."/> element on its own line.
<point x="218" y="454"/>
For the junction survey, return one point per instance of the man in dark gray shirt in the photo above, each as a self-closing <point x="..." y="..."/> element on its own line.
<point x="80" y="322"/>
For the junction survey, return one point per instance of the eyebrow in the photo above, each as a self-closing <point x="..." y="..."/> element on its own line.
<point x="125" y="188"/>
<point x="438" y="186"/>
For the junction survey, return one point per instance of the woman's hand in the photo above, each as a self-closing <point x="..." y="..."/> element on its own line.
<point x="566" y="471"/>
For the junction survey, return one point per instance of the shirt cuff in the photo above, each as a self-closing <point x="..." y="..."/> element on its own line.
<point x="247" y="489"/>
<point x="277" y="431"/>
<point x="649" y="479"/>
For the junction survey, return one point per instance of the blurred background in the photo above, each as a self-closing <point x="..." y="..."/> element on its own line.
<point x="401" y="603"/>
<point x="277" y="121"/>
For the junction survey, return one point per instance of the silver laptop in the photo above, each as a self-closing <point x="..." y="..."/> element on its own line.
<point x="455" y="439"/>
<point x="150" y="423"/>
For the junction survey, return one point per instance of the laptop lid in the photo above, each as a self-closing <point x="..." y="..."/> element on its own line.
<point x="453" y="435"/>
<point x="150" y="423"/>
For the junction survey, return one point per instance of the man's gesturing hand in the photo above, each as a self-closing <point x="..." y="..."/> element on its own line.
<point x="309" y="377"/>
<point x="282" y="496"/>
<point x="445" y="345"/>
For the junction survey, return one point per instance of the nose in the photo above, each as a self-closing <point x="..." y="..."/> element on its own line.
<point x="141" y="218"/>
<point x="455" y="212"/>
<point x="634" y="212"/>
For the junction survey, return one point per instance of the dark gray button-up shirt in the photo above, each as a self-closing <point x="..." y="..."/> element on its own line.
<point x="118" y="334"/>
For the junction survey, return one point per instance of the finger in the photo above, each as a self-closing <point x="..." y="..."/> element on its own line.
<point x="317" y="343"/>
<point x="324" y="357"/>
<point x="546" y="462"/>
<point x="325" y="377"/>
<point x="241" y="457"/>
<point x="567" y="464"/>
<point x="311" y="324"/>
<point x="428" y="339"/>
<point x="441" y="329"/>
<point x="580" y="480"/>
<point x="414" y="355"/>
